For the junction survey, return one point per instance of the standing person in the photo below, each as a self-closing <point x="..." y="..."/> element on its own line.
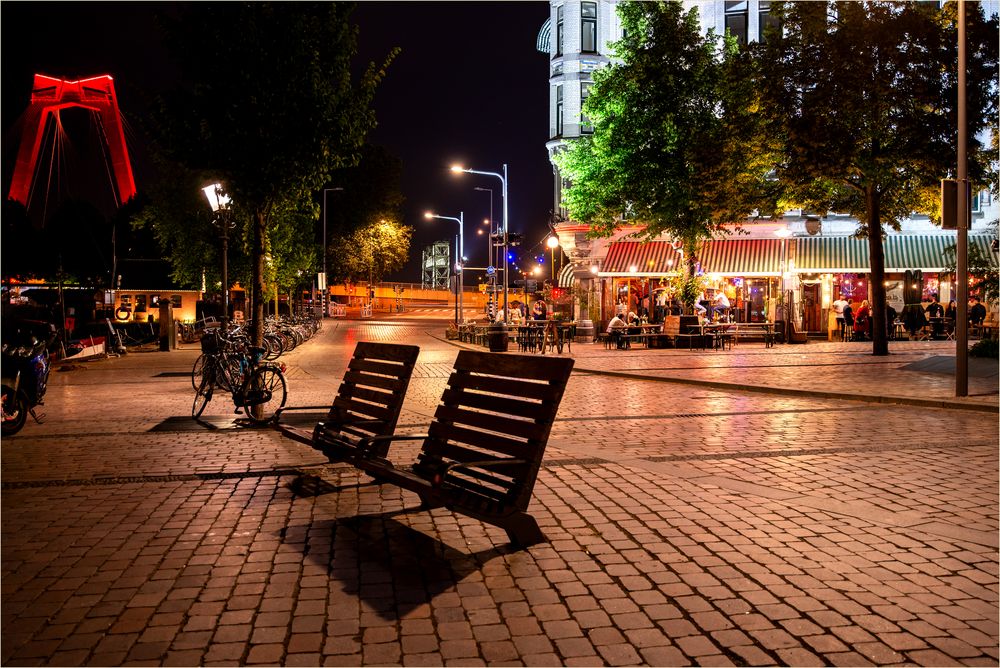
<point x="848" y="331"/>
<point x="862" y="322"/>
<point x="661" y="305"/>
<point x="838" y="310"/>
<point x="538" y="311"/>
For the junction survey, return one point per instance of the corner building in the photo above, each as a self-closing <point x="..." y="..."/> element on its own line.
<point x="792" y="267"/>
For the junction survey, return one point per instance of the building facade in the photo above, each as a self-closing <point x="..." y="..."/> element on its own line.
<point x="792" y="268"/>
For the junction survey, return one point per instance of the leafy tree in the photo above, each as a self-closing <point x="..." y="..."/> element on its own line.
<point x="268" y="107"/>
<point x="863" y="95"/>
<point x="371" y="252"/>
<point x="672" y="123"/>
<point x="369" y="192"/>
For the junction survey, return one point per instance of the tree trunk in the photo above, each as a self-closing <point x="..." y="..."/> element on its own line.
<point x="257" y="278"/>
<point x="876" y="290"/>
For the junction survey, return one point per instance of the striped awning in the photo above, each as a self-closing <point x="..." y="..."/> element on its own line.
<point x="566" y="274"/>
<point x="742" y="257"/>
<point x="637" y="258"/>
<point x="902" y="252"/>
<point x="834" y="255"/>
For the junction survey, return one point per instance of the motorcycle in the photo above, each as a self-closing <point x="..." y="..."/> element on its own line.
<point x="25" y="374"/>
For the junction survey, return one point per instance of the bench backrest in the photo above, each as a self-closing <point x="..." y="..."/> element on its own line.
<point x="371" y="394"/>
<point x="496" y="407"/>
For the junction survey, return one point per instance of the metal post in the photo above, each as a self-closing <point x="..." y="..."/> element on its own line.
<point x="962" y="212"/>
<point x="326" y="290"/>
<point x="461" y="263"/>
<point x="506" y="309"/>
<point x="454" y="271"/>
<point x="224" y="219"/>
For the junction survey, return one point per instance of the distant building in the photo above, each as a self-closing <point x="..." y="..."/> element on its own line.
<point x="796" y="275"/>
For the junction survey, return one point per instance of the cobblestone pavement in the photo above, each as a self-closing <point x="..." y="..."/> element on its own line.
<point x="691" y="521"/>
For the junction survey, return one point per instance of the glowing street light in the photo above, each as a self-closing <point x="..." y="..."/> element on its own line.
<point x="458" y="169"/>
<point x="220" y="203"/>
<point x="461" y="256"/>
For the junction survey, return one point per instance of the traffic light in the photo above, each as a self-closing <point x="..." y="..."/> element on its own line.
<point x="514" y="238"/>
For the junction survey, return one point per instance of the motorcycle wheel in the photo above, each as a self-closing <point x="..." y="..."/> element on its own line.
<point x="15" y="411"/>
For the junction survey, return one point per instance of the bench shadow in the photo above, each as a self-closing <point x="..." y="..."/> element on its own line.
<point x="391" y="567"/>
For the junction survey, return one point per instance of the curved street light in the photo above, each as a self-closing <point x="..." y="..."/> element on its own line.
<point x="503" y="180"/>
<point x="461" y="256"/>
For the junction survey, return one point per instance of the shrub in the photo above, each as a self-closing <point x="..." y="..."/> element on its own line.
<point x="986" y="348"/>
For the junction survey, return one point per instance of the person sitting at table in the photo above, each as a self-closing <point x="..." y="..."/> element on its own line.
<point x="615" y="330"/>
<point x="538" y="310"/>
<point x="935" y="313"/>
<point x="722" y="304"/>
<point x="977" y="312"/>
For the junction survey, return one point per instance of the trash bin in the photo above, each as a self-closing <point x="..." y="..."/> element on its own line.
<point x="497" y="337"/>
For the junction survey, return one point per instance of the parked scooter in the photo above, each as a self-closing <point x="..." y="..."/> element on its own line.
<point x="25" y="372"/>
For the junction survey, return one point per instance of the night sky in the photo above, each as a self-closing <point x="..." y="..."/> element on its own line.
<point x="468" y="87"/>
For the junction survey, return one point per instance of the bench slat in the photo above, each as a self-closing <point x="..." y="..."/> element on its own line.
<point x="395" y="384"/>
<point x="490" y="445"/>
<point x="375" y="366"/>
<point x="457" y="415"/>
<point x="507" y="386"/>
<point x="526" y="409"/>
<point x="513" y="366"/>
<point x="348" y="404"/>
<point x="373" y="396"/>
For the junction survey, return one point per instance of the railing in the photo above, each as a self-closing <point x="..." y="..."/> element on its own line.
<point x="366" y="310"/>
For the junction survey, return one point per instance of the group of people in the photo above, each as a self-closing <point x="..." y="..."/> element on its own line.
<point x="519" y="313"/>
<point x="856" y="322"/>
<point x="623" y="324"/>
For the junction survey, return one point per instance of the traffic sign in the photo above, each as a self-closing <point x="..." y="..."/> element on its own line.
<point x="491" y="270"/>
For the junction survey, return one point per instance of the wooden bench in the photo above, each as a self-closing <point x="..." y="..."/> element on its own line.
<point x="367" y="404"/>
<point x="484" y="447"/>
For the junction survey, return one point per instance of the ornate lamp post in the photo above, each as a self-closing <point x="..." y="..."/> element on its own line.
<point x="220" y="203"/>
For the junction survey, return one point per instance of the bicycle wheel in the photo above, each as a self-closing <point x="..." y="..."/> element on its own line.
<point x="197" y="371"/>
<point x="263" y="394"/>
<point x="203" y="395"/>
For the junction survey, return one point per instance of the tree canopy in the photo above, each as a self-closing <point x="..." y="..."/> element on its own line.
<point x="370" y="252"/>
<point x="268" y="107"/>
<point x="862" y="96"/>
<point x="675" y="143"/>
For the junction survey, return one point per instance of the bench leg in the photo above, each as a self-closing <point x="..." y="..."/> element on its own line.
<point x="522" y="529"/>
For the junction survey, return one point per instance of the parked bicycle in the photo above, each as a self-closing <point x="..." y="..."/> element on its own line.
<point x="258" y="389"/>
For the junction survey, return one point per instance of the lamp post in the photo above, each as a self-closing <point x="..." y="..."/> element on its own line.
<point x="219" y="201"/>
<point x="461" y="255"/>
<point x="553" y="243"/>
<point x="322" y="283"/>
<point x="489" y="253"/>
<point x="503" y="181"/>
<point x="783" y="233"/>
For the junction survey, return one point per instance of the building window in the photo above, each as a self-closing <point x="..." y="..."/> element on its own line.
<point x="766" y="20"/>
<point x="588" y="27"/>
<point x="177" y="300"/>
<point x="559" y="31"/>
<point x="736" y="19"/>
<point x="559" y="111"/>
<point x="585" y="125"/>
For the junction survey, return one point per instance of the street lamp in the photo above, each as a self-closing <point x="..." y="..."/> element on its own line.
<point x="503" y="180"/>
<point x="219" y="201"/>
<point x="553" y="243"/>
<point x="461" y="255"/>
<point x="322" y="282"/>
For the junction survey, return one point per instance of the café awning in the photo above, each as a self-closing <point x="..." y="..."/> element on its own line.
<point x="636" y="258"/>
<point x="902" y="252"/>
<point x="833" y="255"/>
<point x="742" y="257"/>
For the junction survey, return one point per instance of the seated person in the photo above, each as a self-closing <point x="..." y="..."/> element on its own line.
<point x="935" y="313"/>
<point x="890" y="320"/>
<point x="977" y="312"/>
<point x="615" y="330"/>
<point x="722" y="305"/>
